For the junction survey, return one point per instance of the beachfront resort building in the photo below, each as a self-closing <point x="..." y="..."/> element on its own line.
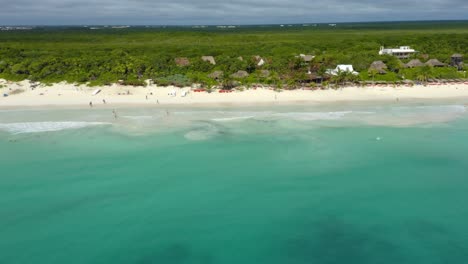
<point x="402" y="52"/>
<point x="342" y="68"/>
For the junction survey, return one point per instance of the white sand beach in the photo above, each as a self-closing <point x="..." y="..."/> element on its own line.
<point x="62" y="94"/>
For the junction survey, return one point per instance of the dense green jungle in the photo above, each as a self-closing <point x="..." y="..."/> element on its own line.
<point x="99" y="55"/>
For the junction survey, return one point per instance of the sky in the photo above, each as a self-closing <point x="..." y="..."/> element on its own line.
<point x="224" y="12"/>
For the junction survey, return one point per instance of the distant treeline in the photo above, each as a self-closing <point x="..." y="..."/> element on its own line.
<point x="105" y="55"/>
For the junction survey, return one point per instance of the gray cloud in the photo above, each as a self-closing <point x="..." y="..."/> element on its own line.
<point x="179" y="12"/>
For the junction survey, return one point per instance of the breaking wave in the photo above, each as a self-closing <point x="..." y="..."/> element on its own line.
<point x="311" y="116"/>
<point x="227" y="119"/>
<point x="38" y="127"/>
<point x="138" y="117"/>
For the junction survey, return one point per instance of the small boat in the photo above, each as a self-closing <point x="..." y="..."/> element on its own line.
<point x="96" y="91"/>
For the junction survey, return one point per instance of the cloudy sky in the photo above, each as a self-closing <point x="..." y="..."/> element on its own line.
<point x="189" y="12"/>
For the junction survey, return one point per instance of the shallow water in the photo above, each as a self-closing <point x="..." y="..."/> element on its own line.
<point x="290" y="184"/>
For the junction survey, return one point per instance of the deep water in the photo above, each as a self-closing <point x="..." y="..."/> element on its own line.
<point x="343" y="184"/>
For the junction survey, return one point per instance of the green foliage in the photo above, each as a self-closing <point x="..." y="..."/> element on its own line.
<point x="178" y="80"/>
<point x="105" y="56"/>
<point x="425" y="73"/>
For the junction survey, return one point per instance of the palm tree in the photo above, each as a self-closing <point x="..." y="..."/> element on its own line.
<point x="373" y="73"/>
<point x="424" y="73"/>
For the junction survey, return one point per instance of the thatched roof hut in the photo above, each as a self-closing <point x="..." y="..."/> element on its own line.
<point x="209" y="59"/>
<point x="240" y="74"/>
<point x="414" y="63"/>
<point x="216" y="75"/>
<point x="378" y="66"/>
<point x="264" y="73"/>
<point x="182" y="62"/>
<point x="457" y="61"/>
<point x="435" y="63"/>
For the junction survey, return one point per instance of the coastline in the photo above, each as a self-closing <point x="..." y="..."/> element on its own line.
<point x="70" y="95"/>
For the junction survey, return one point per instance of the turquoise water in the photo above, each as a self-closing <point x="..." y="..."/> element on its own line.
<point x="337" y="184"/>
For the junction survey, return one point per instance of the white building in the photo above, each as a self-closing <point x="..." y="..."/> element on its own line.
<point x="402" y="52"/>
<point x="342" y="68"/>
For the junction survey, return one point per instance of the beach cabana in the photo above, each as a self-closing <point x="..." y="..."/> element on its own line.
<point x="260" y="61"/>
<point x="378" y="66"/>
<point x="182" y="62"/>
<point x="435" y="63"/>
<point x="414" y="63"/>
<point x="209" y="59"/>
<point x="240" y="75"/>
<point x="306" y="58"/>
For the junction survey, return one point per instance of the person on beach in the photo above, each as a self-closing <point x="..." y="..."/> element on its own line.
<point x="90" y="104"/>
<point x="114" y="113"/>
<point x="146" y="97"/>
<point x="157" y="101"/>
<point x="104" y="101"/>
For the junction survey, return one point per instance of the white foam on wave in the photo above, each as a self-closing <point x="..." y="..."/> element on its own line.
<point x="312" y="116"/>
<point x="404" y="116"/>
<point x="38" y="127"/>
<point x="438" y="108"/>
<point x="138" y="117"/>
<point x="236" y="118"/>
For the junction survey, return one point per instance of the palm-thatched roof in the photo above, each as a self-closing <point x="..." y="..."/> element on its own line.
<point x="435" y="63"/>
<point x="182" y="61"/>
<point x="240" y="74"/>
<point x="457" y="55"/>
<point x="414" y="63"/>
<point x="216" y="75"/>
<point x="209" y="59"/>
<point x="378" y="66"/>
<point x="264" y="73"/>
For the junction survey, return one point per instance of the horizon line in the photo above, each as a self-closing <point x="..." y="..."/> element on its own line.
<point x="232" y="24"/>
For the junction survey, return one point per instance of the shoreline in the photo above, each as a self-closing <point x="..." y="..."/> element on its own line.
<point x="62" y="95"/>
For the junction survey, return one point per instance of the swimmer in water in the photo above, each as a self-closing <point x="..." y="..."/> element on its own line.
<point x="114" y="113"/>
